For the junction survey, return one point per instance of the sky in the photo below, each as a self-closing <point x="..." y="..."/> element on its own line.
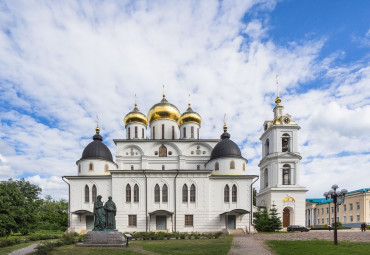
<point x="64" y="62"/>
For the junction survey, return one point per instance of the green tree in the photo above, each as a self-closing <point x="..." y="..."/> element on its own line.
<point x="262" y="220"/>
<point x="53" y="214"/>
<point x="254" y="196"/>
<point x="275" y="222"/>
<point x="19" y="203"/>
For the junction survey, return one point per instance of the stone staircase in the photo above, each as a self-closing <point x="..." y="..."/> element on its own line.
<point x="238" y="231"/>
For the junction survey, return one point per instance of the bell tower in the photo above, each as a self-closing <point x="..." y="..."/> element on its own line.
<point x="280" y="167"/>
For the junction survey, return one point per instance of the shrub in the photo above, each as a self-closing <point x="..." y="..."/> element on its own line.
<point x="69" y="238"/>
<point x="218" y="234"/>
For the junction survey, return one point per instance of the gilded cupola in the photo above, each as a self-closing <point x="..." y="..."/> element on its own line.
<point x="135" y="116"/>
<point x="189" y="117"/>
<point x="163" y="110"/>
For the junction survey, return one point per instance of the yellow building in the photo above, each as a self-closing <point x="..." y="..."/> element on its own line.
<point x="352" y="213"/>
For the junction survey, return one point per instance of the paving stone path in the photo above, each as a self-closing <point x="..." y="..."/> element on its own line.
<point x="24" y="251"/>
<point x="247" y="245"/>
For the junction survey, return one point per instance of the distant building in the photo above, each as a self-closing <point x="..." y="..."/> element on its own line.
<point x="352" y="213"/>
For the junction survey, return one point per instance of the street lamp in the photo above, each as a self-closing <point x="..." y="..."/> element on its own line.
<point x="338" y="199"/>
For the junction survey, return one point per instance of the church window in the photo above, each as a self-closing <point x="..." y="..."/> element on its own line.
<point x="198" y="133"/>
<point x="217" y="166"/>
<point x="136" y="135"/>
<point x="184" y="131"/>
<point x="267" y="147"/>
<point x="87" y="191"/>
<point x="192" y="132"/>
<point x="164" y="193"/>
<point x="192" y="193"/>
<point x="232" y="164"/>
<point x="132" y="220"/>
<point x="286" y="175"/>
<point x="157" y="192"/>
<point x="129" y="133"/>
<point x="173" y="132"/>
<point x="128" y="193"/>
<point x="162" y="151"/>
<point x="91" y="167"/>
<point x="106" y="168"/>
<point x="185" y="193"/>
<point x="234" y="193"/>
<point x="142" y="133"/>
<point x="226" y="193"/>
<point x="285" y="143"/>
<point x="132" y="167"/>
<point x="162" y="131"/>
<point x="136" y="193"/>
<point x="93" y="194"/>
<point x="188" y="220"/>
<point x="79" y="168"/>
<point x="163" y="167"/>
<point x="198" y="167"/>
<point x="266" y="177"/>
<point x="244" y="167"/>
<point x="153" y="132"/>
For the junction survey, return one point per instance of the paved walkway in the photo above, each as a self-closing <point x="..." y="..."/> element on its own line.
<point x="25" y="250"/>
<point x="247" y="245"/>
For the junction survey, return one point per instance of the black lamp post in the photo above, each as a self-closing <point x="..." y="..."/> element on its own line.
<point x="338" y="199"/>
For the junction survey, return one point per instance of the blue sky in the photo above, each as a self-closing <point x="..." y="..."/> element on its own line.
<point x="63" y="63"/>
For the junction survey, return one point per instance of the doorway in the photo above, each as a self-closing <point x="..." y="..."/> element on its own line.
<point x="286" y="217"/>
<point x="89" y="222"/>
<point x="161" y="222"/>
<point x="231" y="221"/>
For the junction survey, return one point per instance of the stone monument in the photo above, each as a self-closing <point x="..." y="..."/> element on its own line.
<point x="104" y="232"/>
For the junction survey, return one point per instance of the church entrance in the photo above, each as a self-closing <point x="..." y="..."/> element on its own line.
<point x="161" y="222"/>
<point x="286" y="217"/>
<point x="231" y="222"/>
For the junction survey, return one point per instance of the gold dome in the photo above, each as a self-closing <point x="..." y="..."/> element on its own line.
<point x="135" y="116"/>
<point x="190" y="117"/>
<point x="163" y="110"/>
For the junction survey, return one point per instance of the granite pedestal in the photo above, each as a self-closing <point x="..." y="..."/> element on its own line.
<point x="103" y="238"/>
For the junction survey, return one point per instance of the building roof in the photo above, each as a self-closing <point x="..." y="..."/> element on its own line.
<point x="97" y="149"/>
<point x="226" y="148"/>
<point x="325" y="201"/>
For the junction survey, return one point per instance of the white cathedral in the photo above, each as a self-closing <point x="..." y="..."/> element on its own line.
<point x="175" y="181"/>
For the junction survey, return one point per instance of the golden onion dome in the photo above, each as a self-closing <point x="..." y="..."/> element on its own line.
<point x="163" y="110"/>
<point x="135" y="116"/>
<point x="189" y="117"/>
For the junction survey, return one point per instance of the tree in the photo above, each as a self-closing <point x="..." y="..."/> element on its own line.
<point x="275" y="222"/>
<point x="53" y="214"/>
<point x="19" y="203"/>
<point x="254" y="196"/>
<point x="261" y="220"/>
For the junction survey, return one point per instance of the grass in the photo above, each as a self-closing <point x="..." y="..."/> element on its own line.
<point x="15" y="247"/>
<point x="319" y="247"/>
<point x="181" y="247"/>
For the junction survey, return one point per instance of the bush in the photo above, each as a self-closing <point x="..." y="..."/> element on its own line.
<point x="46" y="247"/>
<point x="67" y="239"/>
<point x="218" y="234"/>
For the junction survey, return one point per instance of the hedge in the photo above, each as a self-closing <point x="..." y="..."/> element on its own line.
<point x="11" y="240"/>
<point x="173" y="235"/>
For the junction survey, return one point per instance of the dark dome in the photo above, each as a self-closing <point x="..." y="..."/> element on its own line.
<point x="97" y="149"/>
<point x="226" y="148"/>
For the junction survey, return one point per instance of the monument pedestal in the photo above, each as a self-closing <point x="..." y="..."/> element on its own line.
<point x="103" y="238"/>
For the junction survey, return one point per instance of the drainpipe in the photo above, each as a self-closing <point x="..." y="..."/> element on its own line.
<point x="175" y="195"/>
<point x="251" y="213"/>
<point x="146" y="202"/>
<point x="69" y="202"/>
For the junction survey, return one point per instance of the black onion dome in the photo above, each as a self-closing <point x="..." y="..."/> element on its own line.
<point x="226" y="148"/>
<point x="97" y="149"/>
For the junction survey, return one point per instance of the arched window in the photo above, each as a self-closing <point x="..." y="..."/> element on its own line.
<point x="142" y="133"/>
<point x="217" y="166"/>
<point x="162" y="151"/>
<point x="226" y="193"/>
<point x="192" y="132"/>
<point x="232" y="164"/>
<point x="234" y="193"/>
<point x="164" y="193"/>
<point x="136" y="193"/>
<point x="285" y="143"/>
<point x="87" y="191"/>
<point x="267" y="147"/>
<point x="244" y="167"/>
<point x="184" y="131"/>
<point x="173" y="132"/>
<point x="128" y="193"/>
<point x="266" y="178"/>
<point x="93" y="194"/>
<point x="162" y="131"/>
<point x="157" y="193"/>
<point x="286" y="175"/>
<point x="136" y="135"/>
<point x="185" y="193"/>
<point x="198" y="133"/>
<point x="192" y="193"/>
<point x="153" y="132"/>
<point x="91" y="167"/>
<point x="106" y="168"/>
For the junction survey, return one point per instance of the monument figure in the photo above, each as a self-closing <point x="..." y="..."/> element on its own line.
<point x="110" y="214"/>
<point x="99" y="215"/>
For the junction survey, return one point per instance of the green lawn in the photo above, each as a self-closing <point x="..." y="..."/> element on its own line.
<point x="183" y="247"/>
<point x="319" y="247"/>
<point x="15" y="247"/>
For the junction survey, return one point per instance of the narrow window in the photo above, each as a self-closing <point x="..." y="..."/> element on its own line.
<point x="106" y="168"/>
<point x="91" y="167"/>
<point x="136" y="193"/>
<point x="136" y="135"/>
<point x="217" y="166"/>
<point x="234" y="193"/>
<point x="192" y="193"/>
<point x="153" y="132"/>
<point x="192" y="132"/>
<point x="156" y="193"/>
<point x="87" y="191"/>
<point x="266" y="177"/>
<point x="142" y="133"/>
<point x="128" y="193"/>
<point x="185" y="193"/>
<point x="129" y="133"/>
<point x="162" y="131"/>
<point x="163" y="167"/>
<point x="285" y="143"/>
<point x="188" y="220"/>
<point x="267" y="147"/>
<point x="163" y="151"/>
<point x="93" y="194"/>
<point x="226" y="193"/>
<point x="198" y="133"/>
<point x="243" y="167"/>
<point x="173" y="132"/>
<point x="164" y="193"/>
<point x="132" y="167"/>
<point x="184" y="130"/>
<point x="132" y="220"/>
<point x="232" y="164"/>
<point x="286" y="174"/>
<point x="198" y="167"/>
<point x="79" y="168"/>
